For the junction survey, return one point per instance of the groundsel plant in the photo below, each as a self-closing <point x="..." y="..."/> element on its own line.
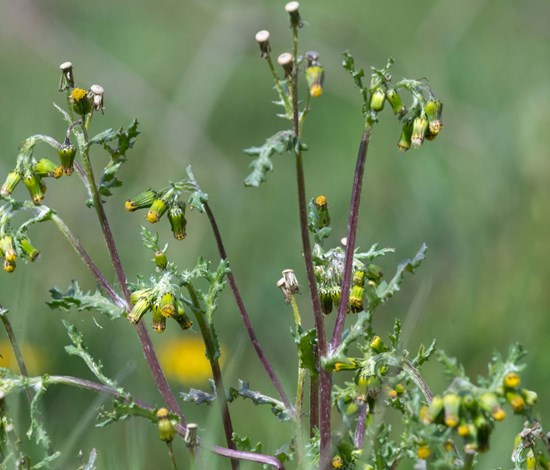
<point x="349" y="379"/>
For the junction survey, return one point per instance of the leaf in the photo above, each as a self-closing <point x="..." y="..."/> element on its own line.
<point x="122" y="410"/>
<point x="37" y="429"/>
<point x="307" y="341"/>
<point x="197" y="196"/>
<point x="451" y="366"/>
<point x="199" y="397"/>
<point x="126" y="139"/>
<point x="424" y="354"/>
<point x="394" y="337"/>
<point x="243" y="443"/>
<point x="280" y="142"/>
<point x="79" y="349"/>
<point x="91" y="464"/>
<point x="150" y="240"/>
<point x="277" y="407"/>
<point x="75" y="298"/>
<point x="385" y="291"/>
<point x="63" y="112"/>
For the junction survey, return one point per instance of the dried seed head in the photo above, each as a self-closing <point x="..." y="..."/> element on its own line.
<point x="292" y="9"/>
<point x="191" y="435"/>
<point x="286" y="61"/>
<point x="263" y="40"/>
<point x="67" y="78"/>
<point x="291" y="281"/>
<point x="96" y="92"/>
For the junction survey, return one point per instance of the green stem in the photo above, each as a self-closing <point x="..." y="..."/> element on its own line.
<point x="172" y="456"/>
<point x="469" y="461"/>
<point x="15" y="348"/>
<point x="299" y="387"/>
<point x="212" y="355"/>
<point x="146" y="344"/>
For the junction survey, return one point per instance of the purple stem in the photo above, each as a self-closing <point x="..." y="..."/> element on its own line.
<point x="351" y="234"/>
<point x="359" y="435"/>
<point x="250" y="456"/>
<point x="244" y="314"/>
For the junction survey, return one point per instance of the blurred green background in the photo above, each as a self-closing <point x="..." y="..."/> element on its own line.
<point x="191" y="73"/>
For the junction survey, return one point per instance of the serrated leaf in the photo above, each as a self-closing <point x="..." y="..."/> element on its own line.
<point x="37" y="429"/>
<point x="63" y="112"/>
<point x="199" y="397"/>
<point x="451" y="366"/>
<point x="150" y="240"/>
<point x="424" y="354"/>
<point x="122" y="410"/>
<point x="385" y="291"/>
<point x="394" y="337"/>
<point x="197" y="196"/>
<point x="307" y="342"/>
<point x="280" y="142"/>
<point x="277" y="407"/>
<point x="76" y="298"/>
<point x="243" y="443"/>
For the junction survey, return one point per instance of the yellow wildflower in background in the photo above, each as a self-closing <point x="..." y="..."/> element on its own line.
<point x="183" y="359"/>
<point x="32" y="355"/>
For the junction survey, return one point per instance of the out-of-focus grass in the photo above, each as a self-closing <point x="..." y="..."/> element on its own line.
<point x="191" y="74"/>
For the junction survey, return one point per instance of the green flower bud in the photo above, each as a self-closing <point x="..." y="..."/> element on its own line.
<point x="7" y="248"/>
<point x="489" y="402"/>
<point x="156" y="211"/>
<point x="483" y="432"/>
<point x="29" y="251"/>
<point x="530" y="396"/>
<point x="420" y="126"/>
<point x="45" y="167"/>
<point x="356" y="299"/>
<point x="377" y="99"/>
<point x="433" y="110"/>
<point x="82" y="104"/>
<point x="469" y="401"/>
<point x="323" y="216"/>
<point x="165" y="425"/>
<point x="66" y="155"/>
<point x="404" y="143"/>
<point x="359" y="278"/>
<point x="11" y="182"/>
<point x="374" y="273"/>
<point x="516" y="401"/>
<point x="176" y="217"/>
<point x="138" y="294"/>
<point x="9" y="266"/>
<point x="35" y="187"/>
<point x="141" y="201"/>
<point x="435" y="410"/>
<point x="451" y="403"/>
<point x="181" y="317"/>
<point x="396" y="103"/>
<point x="159" y="320"/>
<point x="167" y="304"/>
<point x="326" y="302"/>
<point x="377" y="345"/>
<point x="160" y="259"/>
<point x="139" y="309"/>
<point x="315" y="76"/>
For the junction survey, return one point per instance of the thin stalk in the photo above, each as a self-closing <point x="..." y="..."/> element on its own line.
<point x="15" y="347"/>
<point x="314" y="400"/>
<point x="172" y="456"/>
<point x="359" y="435"/>
<point x="244" y="314"/>
<point x="418" y="380"/>
<point x="299" y="388"/>
<point x="325" y="382"/>
<point x="351" y="234"/>
<point x="469" y="461"/>
<point x="216" y="371"/>
<point x="146" y="344"/>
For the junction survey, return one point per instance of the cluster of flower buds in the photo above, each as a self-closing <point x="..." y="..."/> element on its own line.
<point x="11" y="248"/>
<point x="163" y="304"/>
<point x="426" y="124"/>
<point x="473" y="412"/>
<point x="158" y="204"/>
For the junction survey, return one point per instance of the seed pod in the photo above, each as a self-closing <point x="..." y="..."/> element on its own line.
<point x="141" y="201"/>
<point x="160" y="259"/>
<point x="377" y="99"/>
<point x="66" y="155"/>
<point x="433" y="109"/>
<point x="176" y="217"/>
<point x="67" y="78"/>
<point x="451" y="403"/>
<point x="165" y="425"/>
<point x="396" y="103"/>
<point x="156" y="211"/>
<point x="45" y="167"/>
<point x="315" y="76"/>
<point x="11" y="182"/>
<point x="420" y="126"/>
<point x="34" y="186"/>
<point x="404" y="143"/>
<point x="29" y="251"/>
